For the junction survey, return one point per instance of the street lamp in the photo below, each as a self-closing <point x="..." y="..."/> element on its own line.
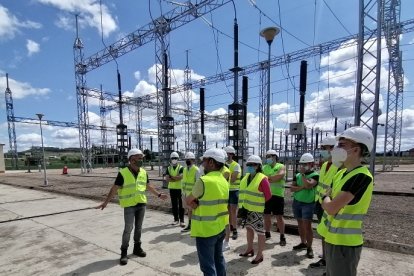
<point x="268" y="33"/>
<point x="40" y="116"/>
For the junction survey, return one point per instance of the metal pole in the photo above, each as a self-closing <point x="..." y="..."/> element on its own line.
<point x="45" y="184"/>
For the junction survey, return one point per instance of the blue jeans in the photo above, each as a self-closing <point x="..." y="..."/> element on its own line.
<point x="134" y="213"/>
<point x="302" y="210"/>
<point x="210" y="255"/>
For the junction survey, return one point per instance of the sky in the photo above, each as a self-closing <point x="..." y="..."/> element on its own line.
<point x="36" y="50"/>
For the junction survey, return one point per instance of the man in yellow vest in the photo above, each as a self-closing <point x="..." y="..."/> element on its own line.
<point x="275" y="172"/>
<point x="131" y="184"/>
<point x="189" y="178"/>
<point x="209" y="199"/>
<point x="326" y="175"/>
<point x="173" y="175"/>
<point x="303" y="188"/>
<point x="348" y="202"/>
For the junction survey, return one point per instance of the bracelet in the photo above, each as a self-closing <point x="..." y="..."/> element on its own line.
<point x="159" y="195"/>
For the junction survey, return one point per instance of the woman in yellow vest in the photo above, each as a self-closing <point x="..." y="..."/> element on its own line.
<point x="348" y="203"/>
<point x="326" y="175"/>
<point x="210" y="216"/>
<point x="303" y="188"/>
<point x="131" y="184"/>
<point x="254" y="192"/>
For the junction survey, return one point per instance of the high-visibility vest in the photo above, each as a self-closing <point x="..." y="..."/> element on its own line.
<point x="174" y="172"/>
<point x="249" y="195"/>
<point x="211" y="216"/>
<point x="234" y="186"/>
<point x="305" y="195"/>
<point x="325" y="180"/>
<point x="345" y="228"/>
<point x="133" y="190"/>
<point x="278" y="187"/>
<point x="189" y="179"/>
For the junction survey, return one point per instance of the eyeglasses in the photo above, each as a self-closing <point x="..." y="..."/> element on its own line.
<point x="174" y="158"/>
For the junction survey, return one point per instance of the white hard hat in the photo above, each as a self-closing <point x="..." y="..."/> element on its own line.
<point x="328" y="141"/>
<point x="229" y="149"/>
<point x="189" y="155"/>
<point x="306" y="158"/>
<point x="359" y="135"/>
<point x="134" y="151"/>
<point x="254" y="159"/>
<point x="174" y="155"/>
<point x="271" y="152"/>
<point x="216" y="154"/>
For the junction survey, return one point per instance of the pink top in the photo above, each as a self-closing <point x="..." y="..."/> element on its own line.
<point x="264" y="187"/>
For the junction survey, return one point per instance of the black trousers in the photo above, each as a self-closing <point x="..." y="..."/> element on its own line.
<point x="177" y="204"/>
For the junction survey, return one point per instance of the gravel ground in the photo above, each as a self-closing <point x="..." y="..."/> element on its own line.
<point x="389" y="220"/>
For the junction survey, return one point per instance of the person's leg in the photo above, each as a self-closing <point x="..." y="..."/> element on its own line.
<point x="206" y="251"/>
<point x="129" y="215"/>
<point x="233" y="205"/>
<point x="307" y="215"/>
<point x="269" y="209"/>
<point x="174" y="204"/>
<point x="260" y="247"/>
<point x="249" y="238"/>
<point x="219" y="261"/>
<point x="342" y="260"/>
<point x="139" y="218"/>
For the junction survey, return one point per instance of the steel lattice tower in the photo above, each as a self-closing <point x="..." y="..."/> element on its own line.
<point x="393" y="128"/>
<point x="188" y="102"/>
<point x="369" y="74"/>
<point x="104" y="137"/>
<point x="262" y="107"/>
<point x="10" y="125"/>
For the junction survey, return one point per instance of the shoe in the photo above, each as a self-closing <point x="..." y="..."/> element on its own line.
<point x="182" y="224"/>
<point x="320" y="263"/>
<point x="176" y="222"/>
<point x="188" y="228"/>
<point x="138" y="251"/>
<point x="226" y="246"/>
<point x="300" y="246"/>
<point x="309" y="253"/>
<point x="235" y="235"/>
<point x="124" y="258"/>
<point x="267" y="235"/>
<point x="282" y="242"/>
<point x="257" y="261"/>
<point x="247" y="254"/>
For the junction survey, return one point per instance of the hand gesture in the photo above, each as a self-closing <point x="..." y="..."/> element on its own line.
<point x="101" y="206"/>
<point x="163" y="196"/>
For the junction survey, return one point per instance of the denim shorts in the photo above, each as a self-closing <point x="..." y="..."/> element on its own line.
<point x="234" y="197"/>
<point x="303" y="210"/>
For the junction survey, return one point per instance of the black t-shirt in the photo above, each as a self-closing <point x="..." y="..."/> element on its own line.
<point x="180" y="171"/>
<point x="356" y="185"/>
<point x="119" y="181"/>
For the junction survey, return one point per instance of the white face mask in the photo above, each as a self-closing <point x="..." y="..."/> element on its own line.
<point x="325" y="154"/>
<point x="174" y="161"/>
<point x="339" y="156"/>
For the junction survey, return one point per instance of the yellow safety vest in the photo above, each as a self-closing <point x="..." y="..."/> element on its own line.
<point x="235" y="186"/>
<point x="133" y="190"/>
<point x="345" y="228"/>
<point x="211" y="216"/>
<point x="189" y="179"/>
<point x="249" y="196"/>
<point x="174" y="172"/>
<point x="325" y="180"/>
<point x="278" y="187"/>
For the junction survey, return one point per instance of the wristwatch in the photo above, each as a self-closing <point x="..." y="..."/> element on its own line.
<point x="323" y="198"/>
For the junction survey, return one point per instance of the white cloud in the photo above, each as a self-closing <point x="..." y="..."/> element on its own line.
<point x="137" y="75"/>
<point x="89" y="14"/>
<point x="66" y="133"/>
<point x="10" y="25"/>
<point x="32" y="47"/>
<point x="22" y="90"/>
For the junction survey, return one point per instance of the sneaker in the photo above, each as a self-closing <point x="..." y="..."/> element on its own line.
<point x="282" y="242"/>
<point x="176" y="222"/>
<point x="226" y="246"/>
<point x="267" y="235"/>
<point x="320" y="263"/>
<point x="188" y="228"/>
<point x="235" y="235"/>
<point x="182" y="224"/>
<point x="309" y="253"/>
<point x="300" y="246"/>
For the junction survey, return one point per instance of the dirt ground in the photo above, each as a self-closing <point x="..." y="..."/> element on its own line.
<point x="390" y="218"/>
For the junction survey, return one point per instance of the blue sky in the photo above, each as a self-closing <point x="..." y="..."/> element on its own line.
<point x="36" y="39"/>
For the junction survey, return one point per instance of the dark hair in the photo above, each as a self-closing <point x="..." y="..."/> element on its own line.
<point x="217" y="164"/>
<point x="364" y="150"/>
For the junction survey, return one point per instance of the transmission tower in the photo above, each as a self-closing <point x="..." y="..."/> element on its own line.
<point x="104" y="137"/>
<point x="188" y="102"/>
<point x="393" y="127"/>
<point x="10" y="125"/>
<point x="262" y="107"/>
<point x="368" y="72"/>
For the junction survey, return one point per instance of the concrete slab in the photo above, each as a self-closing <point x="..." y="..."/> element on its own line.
<point x="86" y="242"/>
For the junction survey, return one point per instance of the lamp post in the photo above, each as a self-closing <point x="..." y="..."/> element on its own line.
<point x="40" y="116"/>
<point x="268" y="33"/>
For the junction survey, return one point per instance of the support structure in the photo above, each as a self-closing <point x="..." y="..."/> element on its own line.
<point x="393" y="126"/>
<point x="188" y="103"/>
<point x="262" y="108"/>
<point x="10" y="125"/>
<point x="104" y="137"/>
<point x="369" y="72"/>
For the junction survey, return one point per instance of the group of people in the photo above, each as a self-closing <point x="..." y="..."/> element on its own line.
<point x="216" y="195"/>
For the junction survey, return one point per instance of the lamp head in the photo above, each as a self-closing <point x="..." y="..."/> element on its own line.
<point x="269" y="33"/>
